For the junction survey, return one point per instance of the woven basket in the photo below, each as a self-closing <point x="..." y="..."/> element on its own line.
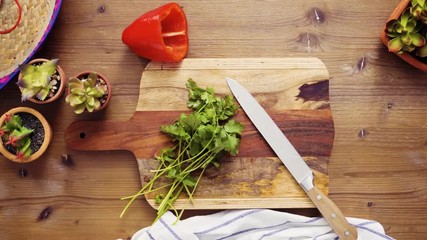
<point x="19" y="46"/>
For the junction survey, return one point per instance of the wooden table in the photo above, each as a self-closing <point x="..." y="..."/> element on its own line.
<point x="378" y="168"/>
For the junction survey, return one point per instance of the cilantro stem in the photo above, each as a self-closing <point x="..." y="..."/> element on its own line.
<point x="145" y="192"/>
<point x="190" y="194"/>
<point x="169" y="200"/>
<point x="200" y="137"/>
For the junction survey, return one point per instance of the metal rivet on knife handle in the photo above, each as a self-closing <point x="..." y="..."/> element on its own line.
<point x="333" y="215"/>
<point x="292" y="160"/>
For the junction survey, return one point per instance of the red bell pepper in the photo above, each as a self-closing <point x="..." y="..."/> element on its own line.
<point x="159" y="35"/>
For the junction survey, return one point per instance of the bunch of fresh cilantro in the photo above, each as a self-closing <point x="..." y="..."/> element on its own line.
<point x="201" y="138"/>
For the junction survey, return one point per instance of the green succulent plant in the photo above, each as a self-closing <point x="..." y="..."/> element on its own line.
<point x="16" y="135"/>
<point x="85" y="93"/>
<point x="37" y="80"/>
<point x="404" y="33"/>
<point x="419" y="10"/>
<point x="422" y="51"/>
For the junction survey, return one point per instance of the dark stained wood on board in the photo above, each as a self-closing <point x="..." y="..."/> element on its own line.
<point x="311" y="132"/>
<point x="380" y="175"/>
<point x="309" y="128"/>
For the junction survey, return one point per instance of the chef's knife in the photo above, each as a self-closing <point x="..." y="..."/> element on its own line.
<point x="292" y="160"/>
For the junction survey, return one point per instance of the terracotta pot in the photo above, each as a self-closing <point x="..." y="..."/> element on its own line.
<point x="109" y="90"/>
<point x="46" y="141"/>
<point x="401" y="7"/>
<point x="61" y="85"/>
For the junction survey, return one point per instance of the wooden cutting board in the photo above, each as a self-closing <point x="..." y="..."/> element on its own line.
<point x="295" y="91"/>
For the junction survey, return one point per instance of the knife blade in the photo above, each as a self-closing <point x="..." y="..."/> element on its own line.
<point x="292" y="160"/>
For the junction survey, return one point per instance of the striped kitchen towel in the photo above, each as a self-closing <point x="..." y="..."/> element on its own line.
<point x="253" y="224"/>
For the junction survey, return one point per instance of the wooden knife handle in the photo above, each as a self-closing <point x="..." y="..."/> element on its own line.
<point x="333" y="215"/>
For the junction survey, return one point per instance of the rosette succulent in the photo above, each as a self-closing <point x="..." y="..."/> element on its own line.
<point x="408" y="33"/>
<point x="85" y="93"/>
<point x="405" y="33"/>
<point x="419" y="10"/>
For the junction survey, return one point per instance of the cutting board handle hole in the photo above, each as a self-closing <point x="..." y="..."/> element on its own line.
<point x="82" y="135"/>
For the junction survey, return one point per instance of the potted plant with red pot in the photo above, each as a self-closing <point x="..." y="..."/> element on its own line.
<point x="405" y="32"/>
<point x="25" y="134"/>
<point x="88" y="91"/>
<point x="41" y="81"/>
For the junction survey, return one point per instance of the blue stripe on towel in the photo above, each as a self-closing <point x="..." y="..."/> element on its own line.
<point x="314" y="219"/>
<point x="149" y="235"/>
<point x="269" y="227"/>
<point x="229" y="221"/>
<point x="321" y="235"/>
<point x="286" y="228"/>
<point x="254" y="229"/>
<point x="374" y="232"/>
<point x="365" y="223"/>
<point x="274" y="232"/>
<point x="170" y="229"/>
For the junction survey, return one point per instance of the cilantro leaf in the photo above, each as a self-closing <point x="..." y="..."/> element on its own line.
<point x="202" y="137"/>
<point x="176" y="131"/>
<point x="233" y="127"/>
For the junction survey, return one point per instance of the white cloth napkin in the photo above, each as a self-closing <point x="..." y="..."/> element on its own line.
<point x="253" y="224"/>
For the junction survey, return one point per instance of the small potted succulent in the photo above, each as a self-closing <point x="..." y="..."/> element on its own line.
<point x="405" y="32"/>
<point x="41" y="81"/>
<point x="25" y="134"/>
<point x="88" y="91"/>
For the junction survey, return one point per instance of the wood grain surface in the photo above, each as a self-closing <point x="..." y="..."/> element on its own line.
<point x="378" y="167"/>
<point x="298" y="94"/>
